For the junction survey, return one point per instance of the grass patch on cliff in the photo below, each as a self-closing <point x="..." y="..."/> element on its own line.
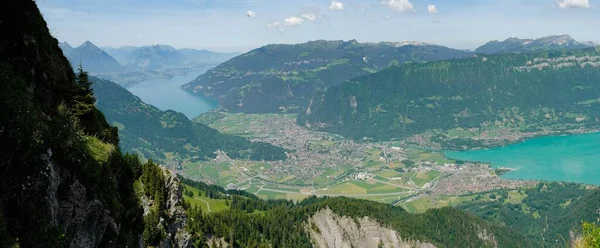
<point x="99" y="150"/>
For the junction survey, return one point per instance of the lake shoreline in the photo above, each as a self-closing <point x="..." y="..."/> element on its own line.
<point x="571" y="157"/>
<point x="166" y="94"/>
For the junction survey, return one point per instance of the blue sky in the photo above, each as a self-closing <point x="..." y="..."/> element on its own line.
<point x="240" y="25"/>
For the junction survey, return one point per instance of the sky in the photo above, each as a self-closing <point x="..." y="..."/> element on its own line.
<point x="241" y="25"/>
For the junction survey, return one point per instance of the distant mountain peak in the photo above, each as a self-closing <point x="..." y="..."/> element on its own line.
<point x="558" y="39"/>
<point x="87" y="43"/>
<point x="92" y="58"/>
<point x="512" y="39"/>
<point x="514" y="44"/>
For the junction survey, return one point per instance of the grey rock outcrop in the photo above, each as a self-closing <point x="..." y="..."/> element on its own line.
<point x="174" y="227"/>
<point x="85" y="221"/>
<point x="329" y="230"/>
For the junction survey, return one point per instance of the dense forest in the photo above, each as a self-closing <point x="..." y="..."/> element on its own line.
<point x="548" y="212"/>
<point x="253" y="222"/>
<point x="551" y="90"/>
<point x="151" y="132"/>
<point x="283" y="78"/>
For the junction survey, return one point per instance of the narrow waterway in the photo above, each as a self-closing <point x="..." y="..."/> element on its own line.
<point x="167" y="94"/>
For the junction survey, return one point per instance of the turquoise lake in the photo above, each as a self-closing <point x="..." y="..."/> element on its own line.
<point x="574" y="158"/>
<point x="167" y="94"/>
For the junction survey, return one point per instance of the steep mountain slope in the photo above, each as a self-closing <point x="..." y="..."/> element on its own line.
<point x="93" y="59"/>
<point x="526" y="92"/>
<point x="164" y="56"/>
<point x="147" y="130"/>
<point x="64" y="182"/>
<point x="553" y="42"/>
<point x="66" y="48"/>
<point x="277" y="78"/>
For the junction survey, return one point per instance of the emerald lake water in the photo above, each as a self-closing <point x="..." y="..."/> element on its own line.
<point x="167" y="94"/>
<point x="574" y="158"/>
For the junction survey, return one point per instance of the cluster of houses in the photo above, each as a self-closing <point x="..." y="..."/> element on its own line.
<point x="362" y="176"/>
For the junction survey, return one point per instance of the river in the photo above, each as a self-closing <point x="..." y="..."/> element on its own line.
<point x="574" y="158"/>
<point x="167" y="94"/>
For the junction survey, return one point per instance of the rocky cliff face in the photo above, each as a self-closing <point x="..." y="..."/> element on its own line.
<point x="174" y="226"/>
<point x="84" y="221"/>
<point x="62" y="183"/>
<point x="329" y="230"/>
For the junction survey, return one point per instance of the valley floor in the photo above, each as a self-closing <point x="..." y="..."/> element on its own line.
<point x="326" y="164"/>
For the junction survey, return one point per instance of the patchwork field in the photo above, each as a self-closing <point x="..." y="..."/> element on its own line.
<point x="326" y="164"/>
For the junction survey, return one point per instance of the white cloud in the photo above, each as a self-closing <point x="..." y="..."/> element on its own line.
<point x="432" y="9"/>
<point x="293" y="21"/>
<point x="273" y="25"/>
<point x="251" y="14"/>
<point x="309" y="16"/>
<point x="399" y="5"/>
<point x="579" y="4"/>
<point x="336" y="6"/>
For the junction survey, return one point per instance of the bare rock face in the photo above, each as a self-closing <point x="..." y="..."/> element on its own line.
<point x="86" y="221"/>
<point x="52" y="191"/>
<point x="175" y="227"/>
<point x="329" y="230"/>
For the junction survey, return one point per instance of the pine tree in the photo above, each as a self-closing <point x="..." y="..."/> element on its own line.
<point x="84" y="98"/>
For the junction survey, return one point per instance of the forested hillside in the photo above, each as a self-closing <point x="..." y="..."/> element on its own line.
<point x="548" y="212"/>
<point x="151" y="132"/>
<point x="252" y="222"/>
<point x="283" y="78"/>
<point x="551" y="90"/>
<point x="64" y="182"/>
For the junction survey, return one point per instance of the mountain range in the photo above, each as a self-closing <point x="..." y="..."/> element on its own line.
<point x="128" y="58"/>
<point x="65" y="182"/>
<point x="164" y="56"/>
<point x="543" y="91"/>
<point x="283" y="78"/>
<point x="552" y="42"/>
<point x="91" y="58"/>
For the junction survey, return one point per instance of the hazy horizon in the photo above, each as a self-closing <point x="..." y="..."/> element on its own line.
<point x="241" y="25"/>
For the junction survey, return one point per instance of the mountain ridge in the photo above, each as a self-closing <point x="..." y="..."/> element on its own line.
<point x="91" y="58"/>
<point x="161" y="56"/>
<point x="514" y="44"/>
<point x="283" y="77"/>
<point x="486" y="93"/>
